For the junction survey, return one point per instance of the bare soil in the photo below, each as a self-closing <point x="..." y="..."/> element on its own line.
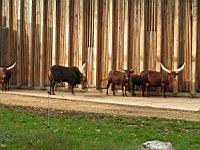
<point x="68" y="107"/>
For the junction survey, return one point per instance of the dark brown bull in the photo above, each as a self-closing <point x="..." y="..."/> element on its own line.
<point x="71" y="75"/>
<point x="118" y="78"/>
<point x="159" y="79"/>
<point x="136" y="80"/>
<point x="5" y="75"/>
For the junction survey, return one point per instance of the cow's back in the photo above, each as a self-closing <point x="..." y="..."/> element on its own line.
<point x="63" y="74"/>
<point x="154" y="78"/>
<point x="136" y="79"/>
<point x="118" y="77"/>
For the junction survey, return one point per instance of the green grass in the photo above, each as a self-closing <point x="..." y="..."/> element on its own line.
<point x="22" y="130"/>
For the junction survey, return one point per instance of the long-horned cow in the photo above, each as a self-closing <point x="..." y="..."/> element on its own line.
<point x="71" y="75"/>
<point x="159" y="79"/>
<point x="5" y="75"/>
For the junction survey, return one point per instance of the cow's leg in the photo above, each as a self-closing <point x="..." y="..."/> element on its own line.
<point x="125" y="89"/>
<point x="53" y="85"/>
<point x="133" y="89"/>
<point x="4" y="85"/>
<point x="143" y="89"/>
<point x="122" y="89"/>
<point x="50" y="87"/>
<point x="72" y="89"/>
<point x="108" y="85"/>
<point x="163" y="89"/>
<point x="113" y="88"/>
<point x="147" y="89"/>
<point x="7" y="84"/>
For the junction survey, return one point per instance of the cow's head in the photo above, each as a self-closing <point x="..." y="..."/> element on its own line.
<point x="2" y="74"/>
<point x="84" y="80"/>
<point x="128" y="72"/>
<point x="172" y="73"/>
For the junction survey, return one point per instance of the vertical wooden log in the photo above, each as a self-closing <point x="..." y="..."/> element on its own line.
<point x="176" y="41"/>
<point x="89" y="44"/>
<point x="137" y="41"/>
<point x="110" y="34"/>
<point x="1" y="12"/>
<point x="190" y="43"/>
<point x="80" y="33"/>
<point x="125" y="34"/>
<point x="194" y="46"/>
<point x="30" y="64"/>
<point x="159" y="34"/>
<point x="19" y="44"/>
<point x="134" y="35"/>
<point x="142" y="35"/>
<point x="151" y="48"/>
<point x="118" y="35"/>
<point x="95" y="43"/>
<point x="7" y="13"/>
<point x="54" y="34"/>
<point x="154" y="34"/>
<point x="41" y="44"/>
<point x="67" y="35"/>
<point x="7" y="61"/>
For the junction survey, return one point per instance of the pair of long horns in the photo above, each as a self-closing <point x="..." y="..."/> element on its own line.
<point x="12" y="66"/>
<point x="169" y="71"/>
<point x="132" y="69"/>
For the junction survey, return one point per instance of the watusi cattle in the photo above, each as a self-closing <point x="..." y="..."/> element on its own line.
<point x="159" y="79"/>
<point x="5" y="75"/>
<point x="71" y="75"/>
<point x="118" y="78"/>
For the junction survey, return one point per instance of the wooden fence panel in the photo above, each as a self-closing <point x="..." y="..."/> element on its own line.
<point x="107" y="34"/>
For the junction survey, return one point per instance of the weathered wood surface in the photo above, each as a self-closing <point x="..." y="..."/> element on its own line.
<point x="107" y="34"/>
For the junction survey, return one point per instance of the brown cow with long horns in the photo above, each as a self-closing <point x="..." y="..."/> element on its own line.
<point x="5" y="75"/>
<point x="159" y="79"/>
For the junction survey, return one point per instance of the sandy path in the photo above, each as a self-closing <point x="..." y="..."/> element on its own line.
<point x="64" y="106"/>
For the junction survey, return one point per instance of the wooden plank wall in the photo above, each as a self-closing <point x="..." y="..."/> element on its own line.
<point x="107" y="34"/>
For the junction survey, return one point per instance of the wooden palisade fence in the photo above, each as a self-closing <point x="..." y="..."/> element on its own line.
<point x="105" y="33"/>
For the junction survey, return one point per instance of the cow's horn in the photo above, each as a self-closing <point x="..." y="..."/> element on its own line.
<point x="11" y="66"/>
<point x="121" y="69"/>
<point x="83" y="68"/>
<point x="179" y="69"/>
<point x="165" y="69"/>
<point x="132" y="69"/>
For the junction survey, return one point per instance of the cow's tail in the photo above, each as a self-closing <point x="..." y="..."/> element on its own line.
<point x="50" y="74"/>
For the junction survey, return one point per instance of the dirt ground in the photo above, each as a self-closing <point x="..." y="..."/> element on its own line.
<point x="60" y="107"/>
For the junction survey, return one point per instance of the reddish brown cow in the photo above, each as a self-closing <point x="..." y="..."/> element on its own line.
<point x="118" y="78"/>
<point x="158" y="79"/>
<point x="5" y="75"/>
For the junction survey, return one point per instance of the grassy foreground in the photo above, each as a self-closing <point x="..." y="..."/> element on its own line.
<point x="23" y="130"/>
